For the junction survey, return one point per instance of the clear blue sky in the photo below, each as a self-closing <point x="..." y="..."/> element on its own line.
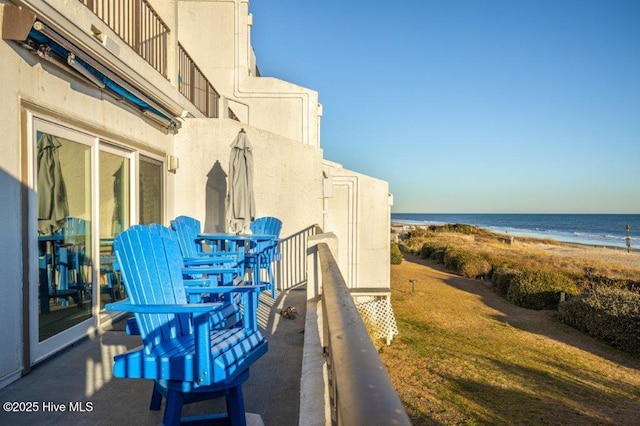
<point x="471" y="106"/>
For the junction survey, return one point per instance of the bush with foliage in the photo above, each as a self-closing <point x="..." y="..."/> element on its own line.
<point x="434" y="250"/>
<point x="539" y="289"/>
<point x="456" y="227"/>
<point x="607" y="313"/>
<point x="396" y="256"/>
<point x="466" y="263"/>
<point x="502" y="278"/>
<point x="429" y="248"/>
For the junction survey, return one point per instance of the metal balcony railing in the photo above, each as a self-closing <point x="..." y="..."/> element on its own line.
<point x="360" y="390"/>
<point x="138" y="25"/>
<point x="291" y="270"/>
<point x="195" y="86"/>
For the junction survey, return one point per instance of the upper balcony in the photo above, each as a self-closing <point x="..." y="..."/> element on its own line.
<point x="142" y="29"/>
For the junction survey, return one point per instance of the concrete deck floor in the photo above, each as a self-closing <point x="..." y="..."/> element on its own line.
<point x="80" y="378"/>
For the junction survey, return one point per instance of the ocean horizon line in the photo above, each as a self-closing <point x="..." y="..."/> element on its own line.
<point x="527" y="213"/>
<point x="608" y="229"/>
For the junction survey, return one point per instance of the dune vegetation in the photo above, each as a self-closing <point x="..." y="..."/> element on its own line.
<point x="596" y="290"/>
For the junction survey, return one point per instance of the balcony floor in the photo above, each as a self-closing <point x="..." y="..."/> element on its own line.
<point x="82" y="374"/>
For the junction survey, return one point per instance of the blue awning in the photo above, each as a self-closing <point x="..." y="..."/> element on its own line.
<point x="63" y="52"/>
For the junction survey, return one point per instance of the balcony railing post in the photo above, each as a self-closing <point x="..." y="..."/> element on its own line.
<point x="192" y="79"/>
<point x="314" y="273"/>
<point x="137" y="28"/>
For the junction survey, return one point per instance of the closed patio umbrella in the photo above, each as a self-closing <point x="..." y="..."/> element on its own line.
<point x="241" y="205"/>
<point x="53" y="206"/>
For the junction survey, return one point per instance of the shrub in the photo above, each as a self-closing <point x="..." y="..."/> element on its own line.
<point x="439" y="253"/>
<point x="502" y="279"/>
<point x="458" y="228"/>
<point x="426" y="250"/>
<point x="466" y="263"/>
<point x="433" y="250"/>
<point x="396" y="256"/>
<point x="607" y="313"/>
<point x="418" y="232"/>
<point x="539" y="289"/>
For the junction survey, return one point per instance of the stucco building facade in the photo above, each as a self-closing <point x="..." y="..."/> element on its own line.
<point x="142" y="125"/>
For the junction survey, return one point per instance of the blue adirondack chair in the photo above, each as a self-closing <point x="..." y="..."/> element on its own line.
<point x="266" y="226"/>
<point x="211" y="273"/>
<point x="187" y="230"/>
<point x="262" y="254"/>
<point x="187" y="359"/>
<point x="233" y="261"/>
<point x="214" y="272"/>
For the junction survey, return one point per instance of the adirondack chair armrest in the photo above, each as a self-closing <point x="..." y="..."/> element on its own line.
<point x="195" y="270"/>
<point x="249" y="295"/>
<point x="206" y="283"/>
<point x="196" y="282"/>
<point x="188" y="308"/>
<point x="226" y="289"/>
<point x="197" y="261"/>
<point x="209" y="260"/>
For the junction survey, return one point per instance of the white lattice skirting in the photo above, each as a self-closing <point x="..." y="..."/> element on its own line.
<point x="377" y="311"/>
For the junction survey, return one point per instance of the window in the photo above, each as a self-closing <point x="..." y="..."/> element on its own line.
<point x="150" y="199"/>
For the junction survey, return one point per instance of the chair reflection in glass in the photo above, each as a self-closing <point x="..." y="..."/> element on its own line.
<point x="62" y="262"/>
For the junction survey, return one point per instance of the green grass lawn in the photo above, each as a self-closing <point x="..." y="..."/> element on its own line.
<point x="465" y="355"/>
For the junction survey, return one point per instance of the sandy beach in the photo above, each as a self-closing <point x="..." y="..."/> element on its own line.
<point x="606" y="254"/>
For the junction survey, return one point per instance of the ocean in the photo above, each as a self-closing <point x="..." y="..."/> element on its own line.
<point x="591" y="229"/>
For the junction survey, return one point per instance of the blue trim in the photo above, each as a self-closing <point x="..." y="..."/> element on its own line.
<point x="40" y="38"/>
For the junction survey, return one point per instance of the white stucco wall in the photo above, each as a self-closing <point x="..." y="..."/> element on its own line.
<point x="287" y="175"/>
<point x="224" y="53"/>
<point x="10" y="219"/>
<point x="358" y="213"/>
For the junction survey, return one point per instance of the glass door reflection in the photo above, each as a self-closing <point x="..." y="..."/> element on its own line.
<point x="114" y="216"/>
<point x="63" y="174"/>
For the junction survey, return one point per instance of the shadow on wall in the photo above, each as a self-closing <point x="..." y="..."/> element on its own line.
<point x="13" y="193"/>
<point x="215" y="199"/>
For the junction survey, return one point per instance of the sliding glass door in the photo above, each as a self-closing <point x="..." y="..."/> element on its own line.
<point x="61" y="307"/>
<point x="114" y="213"/>
<point x="86" y="191"/>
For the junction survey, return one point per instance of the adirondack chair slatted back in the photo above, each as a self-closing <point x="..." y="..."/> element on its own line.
<point x="187" y="230"/>
<point x="263" y="253"/>
<point x="75" y="226"/>
<point x="266" y="226"/>
<point x="156" y="269"/>
<point x="223" y="278"/>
